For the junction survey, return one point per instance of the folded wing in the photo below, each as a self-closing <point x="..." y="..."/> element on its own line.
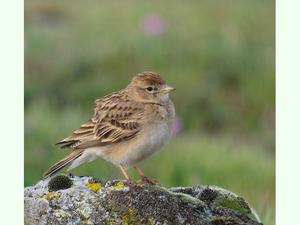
<point x="114" y="120"/>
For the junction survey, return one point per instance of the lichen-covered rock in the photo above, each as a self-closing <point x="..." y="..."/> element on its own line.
<point x="91" y="201"/>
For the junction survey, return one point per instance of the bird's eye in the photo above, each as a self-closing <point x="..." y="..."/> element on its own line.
<point x="149" y="88"/>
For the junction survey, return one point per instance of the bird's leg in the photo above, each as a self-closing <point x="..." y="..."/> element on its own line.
<point x="146" y="179"/>
<point x="125" y="174"/>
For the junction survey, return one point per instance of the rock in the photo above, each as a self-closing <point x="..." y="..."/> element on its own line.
<point x="91" y="201"/>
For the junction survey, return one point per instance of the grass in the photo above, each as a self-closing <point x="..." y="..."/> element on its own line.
<point x="112" y="209"/>
<point x="220" y="57"/>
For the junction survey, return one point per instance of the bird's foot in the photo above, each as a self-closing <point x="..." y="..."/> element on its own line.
<point x="148" y="181"/>
<point x="127" y="181"/>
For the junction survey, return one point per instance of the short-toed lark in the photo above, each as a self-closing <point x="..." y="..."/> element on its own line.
<point x="128" y="127"/>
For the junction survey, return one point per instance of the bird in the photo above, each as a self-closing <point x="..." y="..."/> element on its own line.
<point x="128" y="127"/>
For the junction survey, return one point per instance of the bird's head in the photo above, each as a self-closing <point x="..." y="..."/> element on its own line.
<point x="150" y="87"/>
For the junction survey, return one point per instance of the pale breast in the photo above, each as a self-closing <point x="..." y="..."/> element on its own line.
<point x="154" y="135"/>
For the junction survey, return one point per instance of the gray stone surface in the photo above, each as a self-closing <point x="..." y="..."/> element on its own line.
<point x="91" y="201"/>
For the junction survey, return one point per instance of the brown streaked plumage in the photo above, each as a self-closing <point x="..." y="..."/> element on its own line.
<point x="128" y="127"/>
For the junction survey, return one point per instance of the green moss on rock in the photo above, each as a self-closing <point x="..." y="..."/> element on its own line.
<point x="235" y="203"/>
<point x="60" y="182"/>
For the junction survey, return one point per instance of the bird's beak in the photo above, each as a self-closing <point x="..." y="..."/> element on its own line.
<point x="167" y="89"/>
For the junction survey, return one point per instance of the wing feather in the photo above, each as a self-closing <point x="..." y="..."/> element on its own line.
<point x="115" y="120"/>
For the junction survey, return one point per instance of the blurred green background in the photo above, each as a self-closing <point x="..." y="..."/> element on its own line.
<point x="220" y="55"/>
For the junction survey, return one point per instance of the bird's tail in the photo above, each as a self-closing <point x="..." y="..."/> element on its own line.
<point x="64" y="162"/>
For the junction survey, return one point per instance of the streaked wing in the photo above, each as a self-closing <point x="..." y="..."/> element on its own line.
<point x="115" y="120"/>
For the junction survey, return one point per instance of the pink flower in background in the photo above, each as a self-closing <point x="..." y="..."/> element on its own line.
<point x="178" y="125"/>
<point x="153" y="24"/>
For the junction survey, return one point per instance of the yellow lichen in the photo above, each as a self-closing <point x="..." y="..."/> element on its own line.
<point x="49" y="194"/>
<point x="74" y="185"/>
<point x="127" y="220"/>
<point x="94" y="186"/>
<point x="119" y="185"/>
<point x="56" y="208"/>
<point x="57" y="197"/>
<point x="38" y="196"/>
<point x="131" y="212"/>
